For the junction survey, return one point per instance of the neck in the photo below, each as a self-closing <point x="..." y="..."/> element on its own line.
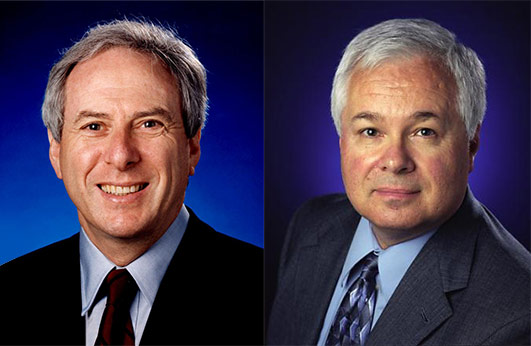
<point x="122" y="254"/>
<point x="122" y="251"/>
<point x="389" y="237"/>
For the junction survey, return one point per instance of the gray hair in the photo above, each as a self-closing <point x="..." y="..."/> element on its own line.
<point x="143" y="36"/>
<point x="409" y="38"/>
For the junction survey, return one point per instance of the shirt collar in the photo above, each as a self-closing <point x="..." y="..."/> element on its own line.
<point x="147" y="270"/>
<point x="361" y="246"/>
<point x="393" y="262"/>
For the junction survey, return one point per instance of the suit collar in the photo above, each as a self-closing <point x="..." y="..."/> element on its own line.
<point x="147" y="270"/>
<point x="456" y="242"/>
<point x="419" y="304"/>
<point x="171" y="287"/>
<point x="322" y="256"/>
<point x="338" y="227"/>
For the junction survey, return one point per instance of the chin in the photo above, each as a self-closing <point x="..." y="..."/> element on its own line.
<point x="122" y="227"/>
<point x="123" y="232"/>
<point x="396" y="220"/>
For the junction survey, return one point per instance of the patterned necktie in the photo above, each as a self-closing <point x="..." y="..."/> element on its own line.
<point x="352" y="324"/>
<point x="116" y="327"/>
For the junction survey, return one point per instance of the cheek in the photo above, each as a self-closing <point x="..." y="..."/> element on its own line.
<point x="77" y="162"/>
<point x="445" y="172"/>
<point x="356" y="167"/>
<point x="168" y="159"/>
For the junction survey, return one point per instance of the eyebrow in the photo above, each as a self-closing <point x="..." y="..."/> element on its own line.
<point x="154" y="111"/>
<point x="424" y="116"/>
<point x="84" y="114"/>
<point x="375" y="117"/>
<point x="367" y="116"/>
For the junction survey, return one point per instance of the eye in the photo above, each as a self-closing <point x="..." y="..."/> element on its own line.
<point x="425" y="132"/>
<point x="150" y="123"/>
<point x="93" y="127"/>
<point x="370" y="132"/>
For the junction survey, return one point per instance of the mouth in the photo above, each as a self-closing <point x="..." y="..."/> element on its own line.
<point x="396" y="191"/>
<point x="119" y="190"/>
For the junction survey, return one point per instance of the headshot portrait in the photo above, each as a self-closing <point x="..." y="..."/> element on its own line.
<point x="139" y="140"/>
<point x="392" y="210"/>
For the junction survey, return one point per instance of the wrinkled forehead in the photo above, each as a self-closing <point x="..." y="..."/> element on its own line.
<point x="401" y="88"/>
<point x="120" y="76"/>
<point x="412" y="65"/>
<point x="131" y="62"/>
<point x="404" y="75"/>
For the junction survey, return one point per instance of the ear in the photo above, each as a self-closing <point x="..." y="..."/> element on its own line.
<point x="55" y="155"/>
<point x="473" y="147"/>
<point x="195" y="151"/>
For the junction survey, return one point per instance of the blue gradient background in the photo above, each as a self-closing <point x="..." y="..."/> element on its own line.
<point x="304" y="43"/>
<point x="227" y="190"/>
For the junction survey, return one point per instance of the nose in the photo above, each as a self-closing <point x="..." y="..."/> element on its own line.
<point x="121" y="151"/>
<point x="396" y="158"/>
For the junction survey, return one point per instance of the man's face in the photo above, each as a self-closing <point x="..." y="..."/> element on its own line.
<point x="405" y="156"/>
<point x="124" y="156"/>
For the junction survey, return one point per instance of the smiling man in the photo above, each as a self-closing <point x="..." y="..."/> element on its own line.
<point x="408" y="256"/>
<point x="124" y="108"/>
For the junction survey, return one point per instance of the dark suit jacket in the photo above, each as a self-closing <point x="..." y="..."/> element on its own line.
<point x="469" y="284"/>
<point x="210" y="294"/>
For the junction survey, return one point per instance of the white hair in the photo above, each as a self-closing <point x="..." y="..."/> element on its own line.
<point x="143" y="36"/>
<point x="398" y="38"/>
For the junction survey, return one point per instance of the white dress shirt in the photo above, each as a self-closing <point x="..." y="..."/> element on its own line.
<point x="147" y="270"/>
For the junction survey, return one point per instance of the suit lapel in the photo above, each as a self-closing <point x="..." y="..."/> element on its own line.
<point x="62" y="289"/>
<point x="320" y="262"/>
<point x="171" y="298"/>
<point x="420" y="305"/>
<point x="178" y="291"/>
<point x="417" y="307"/>
<point x="75" y="327"/>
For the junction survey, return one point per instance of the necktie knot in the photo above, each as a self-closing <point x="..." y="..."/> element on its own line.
<point x="370" y="267"/>
<point x="121" y="287"/>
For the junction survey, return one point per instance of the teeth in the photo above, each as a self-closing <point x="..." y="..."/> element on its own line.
<point x="121" y="190"/>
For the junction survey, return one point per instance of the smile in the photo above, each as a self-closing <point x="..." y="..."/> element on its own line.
<point x="122" y="190"/>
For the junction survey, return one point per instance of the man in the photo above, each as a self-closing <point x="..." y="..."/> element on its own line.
<point x="124" y="108"/>
<point x="408" y="256"/>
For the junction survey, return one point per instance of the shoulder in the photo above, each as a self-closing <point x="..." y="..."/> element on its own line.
<point x="327" y="205"/>
<point x="502" y="244"/>
<point x="323" y="210"/>
<point x="499" y="255"/>
<point x="503" y="264"/>
<point x="320" y="217"/>
<point x="37" y="282"/>
<point x="496" y="300"/>
<point x="42" y="260"/>
<point x="209" y="243"/>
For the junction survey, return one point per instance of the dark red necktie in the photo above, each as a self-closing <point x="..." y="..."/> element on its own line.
<point x="116" y="327"/>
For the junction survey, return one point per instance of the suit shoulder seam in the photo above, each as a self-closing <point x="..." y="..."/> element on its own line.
<point x="513" y="321"/>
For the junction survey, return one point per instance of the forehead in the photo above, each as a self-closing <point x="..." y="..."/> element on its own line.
<point x="120" y="72"/>
<point x="417" y="82"/>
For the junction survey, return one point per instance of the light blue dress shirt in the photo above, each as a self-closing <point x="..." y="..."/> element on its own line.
<point x="393" y="263"/>
<point x="147" y="270"/>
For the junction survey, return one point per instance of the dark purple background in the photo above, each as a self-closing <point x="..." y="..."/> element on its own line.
<point x="304" y="42"/>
